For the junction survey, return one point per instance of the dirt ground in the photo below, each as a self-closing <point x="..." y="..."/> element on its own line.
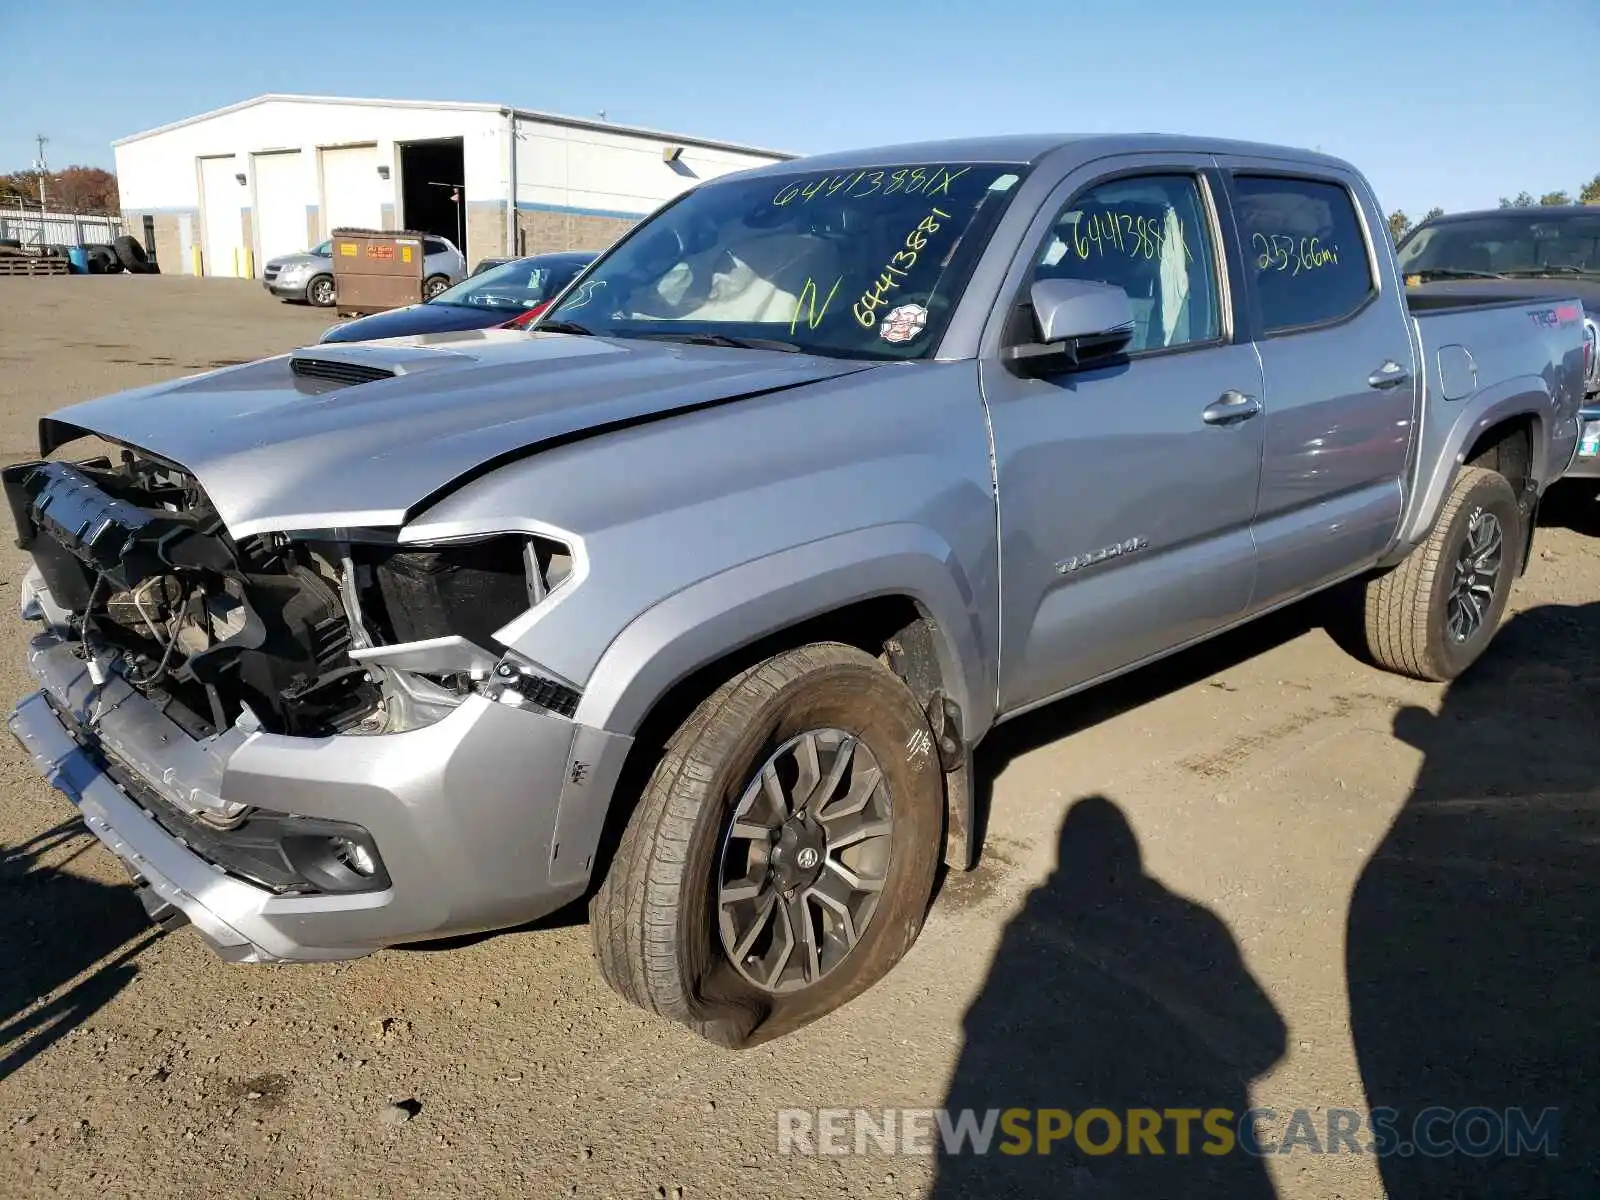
<point x="1261" y="873"/>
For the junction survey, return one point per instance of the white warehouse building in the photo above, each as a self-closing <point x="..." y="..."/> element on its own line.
<point x="223" y="192"/>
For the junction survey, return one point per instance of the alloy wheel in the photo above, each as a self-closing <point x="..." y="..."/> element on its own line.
<point x="804" y="860"/>
<point x="1477" y="570"/>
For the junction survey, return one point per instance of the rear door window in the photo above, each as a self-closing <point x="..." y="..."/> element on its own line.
<point x="1304" y="249"/>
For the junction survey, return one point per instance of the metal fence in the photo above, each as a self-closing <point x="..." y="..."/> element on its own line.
<point x="34" y="228"/>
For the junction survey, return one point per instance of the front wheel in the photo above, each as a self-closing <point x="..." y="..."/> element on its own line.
<point x="320" y="292"/>
<point x="1435" y="613"/>
<point x="782" y="856"/>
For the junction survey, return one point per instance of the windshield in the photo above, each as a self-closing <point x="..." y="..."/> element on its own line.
<point x="325" y="250"/>
<point x="1517" y="246"/>
<point x="864" y="263"/>
<point x="521" y="283"/>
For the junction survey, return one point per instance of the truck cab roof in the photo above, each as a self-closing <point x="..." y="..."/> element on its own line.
<point x="1033" y="147"/>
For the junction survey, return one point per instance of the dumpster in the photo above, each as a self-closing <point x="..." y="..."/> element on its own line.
<point x="376" y="270"/>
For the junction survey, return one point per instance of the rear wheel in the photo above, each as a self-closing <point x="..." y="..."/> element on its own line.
<point x="782" y="856"/>
<point x="433" y="285"/>
<point x="320" y="292"/>
<point x="1435" y="613"/>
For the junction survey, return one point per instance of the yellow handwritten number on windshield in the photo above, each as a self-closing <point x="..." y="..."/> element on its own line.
<point x="876" y="296"/>
<point x="858" y="185"/>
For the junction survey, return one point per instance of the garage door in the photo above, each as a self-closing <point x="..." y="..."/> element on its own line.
<point x="221" y="197"/>
<point x="280" y="210"/>
<point x="351" y="196"/>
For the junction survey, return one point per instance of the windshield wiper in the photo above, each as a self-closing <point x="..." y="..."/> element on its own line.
<point x="1544" y="272"/>
<point x="1456" y="273"/>
<point x="562" y="327"/>
<point x="720" y="339"/>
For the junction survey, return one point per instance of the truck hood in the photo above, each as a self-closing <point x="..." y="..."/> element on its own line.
<point x="303" y="442"/>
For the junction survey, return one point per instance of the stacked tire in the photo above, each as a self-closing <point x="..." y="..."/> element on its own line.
<point x="130" y="254"/>
<point x="123" y="254"/>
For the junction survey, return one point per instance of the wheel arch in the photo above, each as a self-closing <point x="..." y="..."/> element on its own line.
<point x="802" y="588"/>
<point x="895" y="592"/>
<point x="1506" y="422"/>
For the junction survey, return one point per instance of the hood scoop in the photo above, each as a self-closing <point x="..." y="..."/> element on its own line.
<point x="325" y="367"/>
<point x="338" y="374"/>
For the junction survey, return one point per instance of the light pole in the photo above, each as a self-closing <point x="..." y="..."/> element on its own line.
<point x="41" y="166"/>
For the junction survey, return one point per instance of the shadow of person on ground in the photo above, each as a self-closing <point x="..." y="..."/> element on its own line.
<point x="1109" y="991"/>
<point x="1473" y="943"/>
<point x="53" y="927"/>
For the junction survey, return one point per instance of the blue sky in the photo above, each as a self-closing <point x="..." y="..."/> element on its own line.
<point x="1440" y="102"/>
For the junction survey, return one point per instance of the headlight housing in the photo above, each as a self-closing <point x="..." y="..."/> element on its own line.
<point x="431" y="610"/>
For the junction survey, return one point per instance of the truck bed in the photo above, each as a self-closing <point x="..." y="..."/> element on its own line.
<point x="1476" y="354"/>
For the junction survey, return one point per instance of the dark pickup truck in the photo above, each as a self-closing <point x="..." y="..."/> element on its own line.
<point x="1519" y="253"/>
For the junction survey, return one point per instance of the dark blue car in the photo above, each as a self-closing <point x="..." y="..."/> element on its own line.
<point x="514" y="291"/>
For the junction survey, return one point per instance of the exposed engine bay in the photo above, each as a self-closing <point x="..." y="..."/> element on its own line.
<point x="291" y="635"/>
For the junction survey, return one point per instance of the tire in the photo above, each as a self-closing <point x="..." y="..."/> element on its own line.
<point x="320" y="292"/>
<point x="94" y="262"/>
<point x="110" y="263"/>
<point x="433" y="285"/>
<point x="1408" y="611"/>
<point x="660" y="934"/>
<point x="130" y="254"/>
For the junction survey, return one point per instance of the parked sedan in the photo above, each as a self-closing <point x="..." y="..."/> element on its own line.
<point x="307" y="277"/>
<point x="515" y="291"/>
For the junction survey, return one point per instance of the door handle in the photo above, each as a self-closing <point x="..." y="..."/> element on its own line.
<point x="1231" y="408"/>
<point x="1391" y="374"/>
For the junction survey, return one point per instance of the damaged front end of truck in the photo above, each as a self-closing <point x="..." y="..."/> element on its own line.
<point x="169" y="645"/>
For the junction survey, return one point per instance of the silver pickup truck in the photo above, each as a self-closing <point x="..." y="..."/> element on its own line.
<point x="697" y="599"/>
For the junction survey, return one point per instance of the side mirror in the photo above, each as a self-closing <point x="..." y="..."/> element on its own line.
<point x="1074" y="320"/>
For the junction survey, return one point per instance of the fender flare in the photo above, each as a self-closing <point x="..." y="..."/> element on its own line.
<point x="1441" y="454"/>
<point x="696" y="626"/>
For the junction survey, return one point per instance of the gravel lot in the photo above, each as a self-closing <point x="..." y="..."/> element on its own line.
<point x="1349" y="890"/>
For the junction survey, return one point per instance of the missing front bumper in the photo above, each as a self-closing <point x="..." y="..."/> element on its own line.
<point x="488" y="818"/>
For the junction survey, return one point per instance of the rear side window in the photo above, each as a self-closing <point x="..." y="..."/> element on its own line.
<point x="432" y="246"/>
<point x="1304" y="247"/>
